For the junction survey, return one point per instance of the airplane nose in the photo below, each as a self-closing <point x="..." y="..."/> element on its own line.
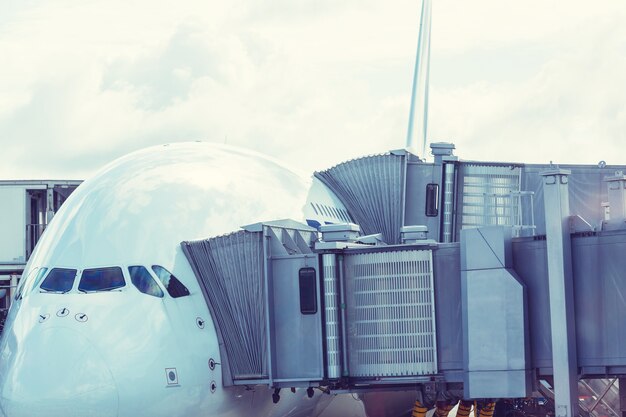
<point x="55" y="372"/>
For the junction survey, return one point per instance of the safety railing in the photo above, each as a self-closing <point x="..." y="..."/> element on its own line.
<point x="33" y="234"/>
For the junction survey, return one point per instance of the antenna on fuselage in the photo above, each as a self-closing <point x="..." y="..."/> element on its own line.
<point x="418" y="126"/>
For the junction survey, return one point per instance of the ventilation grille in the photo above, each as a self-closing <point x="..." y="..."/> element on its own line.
<point x="231" y="269"/>
<point x="371" y="188"/>
<point x="391" y="315"/>
<point x="489" y="196"/>
<point x="331" y="311"/>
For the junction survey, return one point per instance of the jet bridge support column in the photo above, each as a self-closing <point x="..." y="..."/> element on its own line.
<point x="560" y="284"/>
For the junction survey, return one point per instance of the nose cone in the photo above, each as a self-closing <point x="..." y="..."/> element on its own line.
<point x="54" y="372"/>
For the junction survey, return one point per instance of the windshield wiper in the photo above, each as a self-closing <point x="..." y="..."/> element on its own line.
<point x="43" y="290"/>
<point x="99" y="290"/>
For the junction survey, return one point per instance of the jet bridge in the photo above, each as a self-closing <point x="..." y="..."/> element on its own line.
<point x="385" y="192"/>
<point x="293" y="311"/>
<point x="521" y="262"/>
<point x="26" y="208"/>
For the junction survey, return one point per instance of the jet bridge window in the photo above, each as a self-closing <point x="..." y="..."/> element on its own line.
<point x="432" y="200"/>
<point x="59" y="280"/>
<point x="101" y="279"/>
<point x="144" y="282"/>
<point x="174" y="287"/>
<point x="308" y="291"/>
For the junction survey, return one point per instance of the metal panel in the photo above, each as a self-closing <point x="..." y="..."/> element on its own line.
<point x="531" y="264"/>
<point x="598" y="269"/>
<point x="418" y="176"/>
<point x="495" y="327"/>
<point x="372" y="189"/>
<point x="391" y="317"/>
<point x="331" y="312"/>
<point x="12" y="225"/>
<point x="600" y="294"/>
<point x="294" y="358"/>
<point x="485" y="195"/>
<point x="447" y="270"/>
<point x="490" y="248"/>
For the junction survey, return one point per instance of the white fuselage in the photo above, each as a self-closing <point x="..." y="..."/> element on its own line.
<point x="124" y="352"/>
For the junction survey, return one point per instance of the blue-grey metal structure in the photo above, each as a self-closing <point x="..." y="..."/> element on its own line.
<point x="520" y="289"/>
<point x="390" y="313"/>
<point x="561" y="291"/>
<point x="489" y="283"/>
<point x="372" y="189"/>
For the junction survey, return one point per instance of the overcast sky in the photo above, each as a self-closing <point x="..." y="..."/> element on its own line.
<point x="310" y="82"/>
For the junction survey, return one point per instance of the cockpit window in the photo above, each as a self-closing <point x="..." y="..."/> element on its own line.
<point x="40" y="275"/>
<point x="174" y="287"/>
<point x="59" y="280"/>
<point x="101" y="279"/>
<point x="144" y="282"/>
<point x="34" y="282"/>
<point x="23" y="281"/>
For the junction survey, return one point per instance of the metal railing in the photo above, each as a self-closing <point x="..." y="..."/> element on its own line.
<point x="599" y="397"/>
<point x="33" y="234"/>
<point x="596" y="397"/>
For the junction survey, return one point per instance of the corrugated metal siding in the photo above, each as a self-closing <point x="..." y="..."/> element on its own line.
<point x="231" y="269"/>
<point x="372" y="189"/>
<point x="391" y="314"/>
<point x="485" y="196"/>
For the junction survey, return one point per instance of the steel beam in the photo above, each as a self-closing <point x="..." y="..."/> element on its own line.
<point x="600" y="396"/>
<point x="561" y="292"/>
<point x="621" y="382"/>
<point x="49" y="205"/>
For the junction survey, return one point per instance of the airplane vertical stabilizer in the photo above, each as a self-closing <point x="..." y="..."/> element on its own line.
<point x="418" y="116"/>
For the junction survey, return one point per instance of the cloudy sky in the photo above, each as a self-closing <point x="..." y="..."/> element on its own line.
<point x="310" y="82"/>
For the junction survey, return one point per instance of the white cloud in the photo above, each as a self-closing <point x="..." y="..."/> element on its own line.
<point x="493" y="23"/>
<point x="571" y="109"/>
<point x="311" y="82"/>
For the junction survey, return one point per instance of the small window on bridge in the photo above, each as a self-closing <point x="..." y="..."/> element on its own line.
<point x="308" y="291"/>
<point x="174" y="287"/>
<point x="59" y="280"/>
<point x="432" y="200"/>
<point x="101" y="279"/>
<point x="144" y="282"/>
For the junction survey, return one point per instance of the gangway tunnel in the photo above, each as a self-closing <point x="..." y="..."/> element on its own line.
<point x="450" y="283"/>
